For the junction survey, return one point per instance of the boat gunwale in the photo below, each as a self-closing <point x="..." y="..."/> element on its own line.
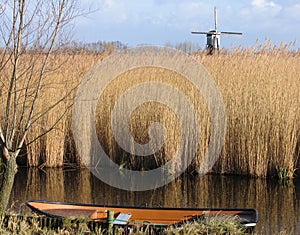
<point x="142" y="207"/>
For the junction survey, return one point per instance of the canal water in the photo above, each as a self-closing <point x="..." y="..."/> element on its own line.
<point x="278" y="205"/>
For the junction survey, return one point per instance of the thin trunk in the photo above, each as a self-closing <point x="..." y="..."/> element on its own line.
<point x="7" y="182"/>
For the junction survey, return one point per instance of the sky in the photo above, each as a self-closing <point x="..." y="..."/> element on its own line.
<point x="157" y="22"/>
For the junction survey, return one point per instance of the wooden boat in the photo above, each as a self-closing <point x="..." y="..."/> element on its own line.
<point x="130" y="215"/>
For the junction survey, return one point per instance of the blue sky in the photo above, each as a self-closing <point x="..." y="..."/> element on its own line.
<point x="158" y="22"/>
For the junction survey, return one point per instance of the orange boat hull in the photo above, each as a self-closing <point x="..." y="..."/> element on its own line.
<point x="138" y="215"/>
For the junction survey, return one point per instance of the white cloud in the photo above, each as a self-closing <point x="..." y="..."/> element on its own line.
<point x="261" y="11"/>
<point x="263" y="4"/>
<point x="113" y="11"/>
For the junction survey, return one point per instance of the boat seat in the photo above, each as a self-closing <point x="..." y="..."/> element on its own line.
<point x="122" y="218"/>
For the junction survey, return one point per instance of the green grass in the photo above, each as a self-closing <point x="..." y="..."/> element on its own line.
<point x="214" y="225"/>
<point x="219" y="225"/>
<point x="14" y="224"/>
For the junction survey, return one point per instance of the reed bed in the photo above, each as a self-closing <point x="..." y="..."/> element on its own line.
<point x="262" y="101"/>
<point x="148" y="113"/>
<point x="63" y="74"/>
<point x="261" y="95"/>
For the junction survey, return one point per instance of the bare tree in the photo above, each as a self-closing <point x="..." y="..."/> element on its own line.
<point x="30" y="32"/>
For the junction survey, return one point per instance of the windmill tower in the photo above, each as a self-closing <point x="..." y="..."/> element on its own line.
<point x="213" y="36"/>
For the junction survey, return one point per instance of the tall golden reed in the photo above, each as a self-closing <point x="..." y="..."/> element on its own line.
<point x="262" y="99"/>
<point x="261" y="93"/>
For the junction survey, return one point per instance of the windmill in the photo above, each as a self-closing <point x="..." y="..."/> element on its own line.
<point x="213" y="36"/>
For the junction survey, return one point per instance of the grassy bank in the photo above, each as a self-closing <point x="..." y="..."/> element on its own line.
<point x="261" y="95"/>
<point x="38" y="225"/>
<point x="14" y="224"/>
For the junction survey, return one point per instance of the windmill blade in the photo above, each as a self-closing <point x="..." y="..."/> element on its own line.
<point x="216" y="19"/>
<point x="232" y="33"/>
<point x="209" y="32"/>
<point x="201" y="33"/>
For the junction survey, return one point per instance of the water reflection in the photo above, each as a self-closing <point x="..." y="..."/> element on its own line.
<point x="277" y="205"/>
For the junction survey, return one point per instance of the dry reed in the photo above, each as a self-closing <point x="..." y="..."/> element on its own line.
<point x="261" y="95"/>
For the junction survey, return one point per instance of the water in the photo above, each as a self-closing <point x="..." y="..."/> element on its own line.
<point x="278" y="206"/>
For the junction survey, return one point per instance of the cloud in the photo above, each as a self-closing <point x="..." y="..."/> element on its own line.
<point x="264" y="4"/>
<point x="113" y="11"/>
<point x="260" y="11"/>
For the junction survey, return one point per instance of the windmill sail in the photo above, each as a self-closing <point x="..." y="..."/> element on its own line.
<point x="231" y="33"/>
<point x="215" y="14"/>
<point x="201" y="32"/>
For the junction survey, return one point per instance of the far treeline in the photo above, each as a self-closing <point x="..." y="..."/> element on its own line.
<point x="259" y="85"/>
<point x="101" y="46"/>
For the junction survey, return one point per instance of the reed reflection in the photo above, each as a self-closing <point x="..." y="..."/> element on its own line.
<point x="277" y="205"/>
